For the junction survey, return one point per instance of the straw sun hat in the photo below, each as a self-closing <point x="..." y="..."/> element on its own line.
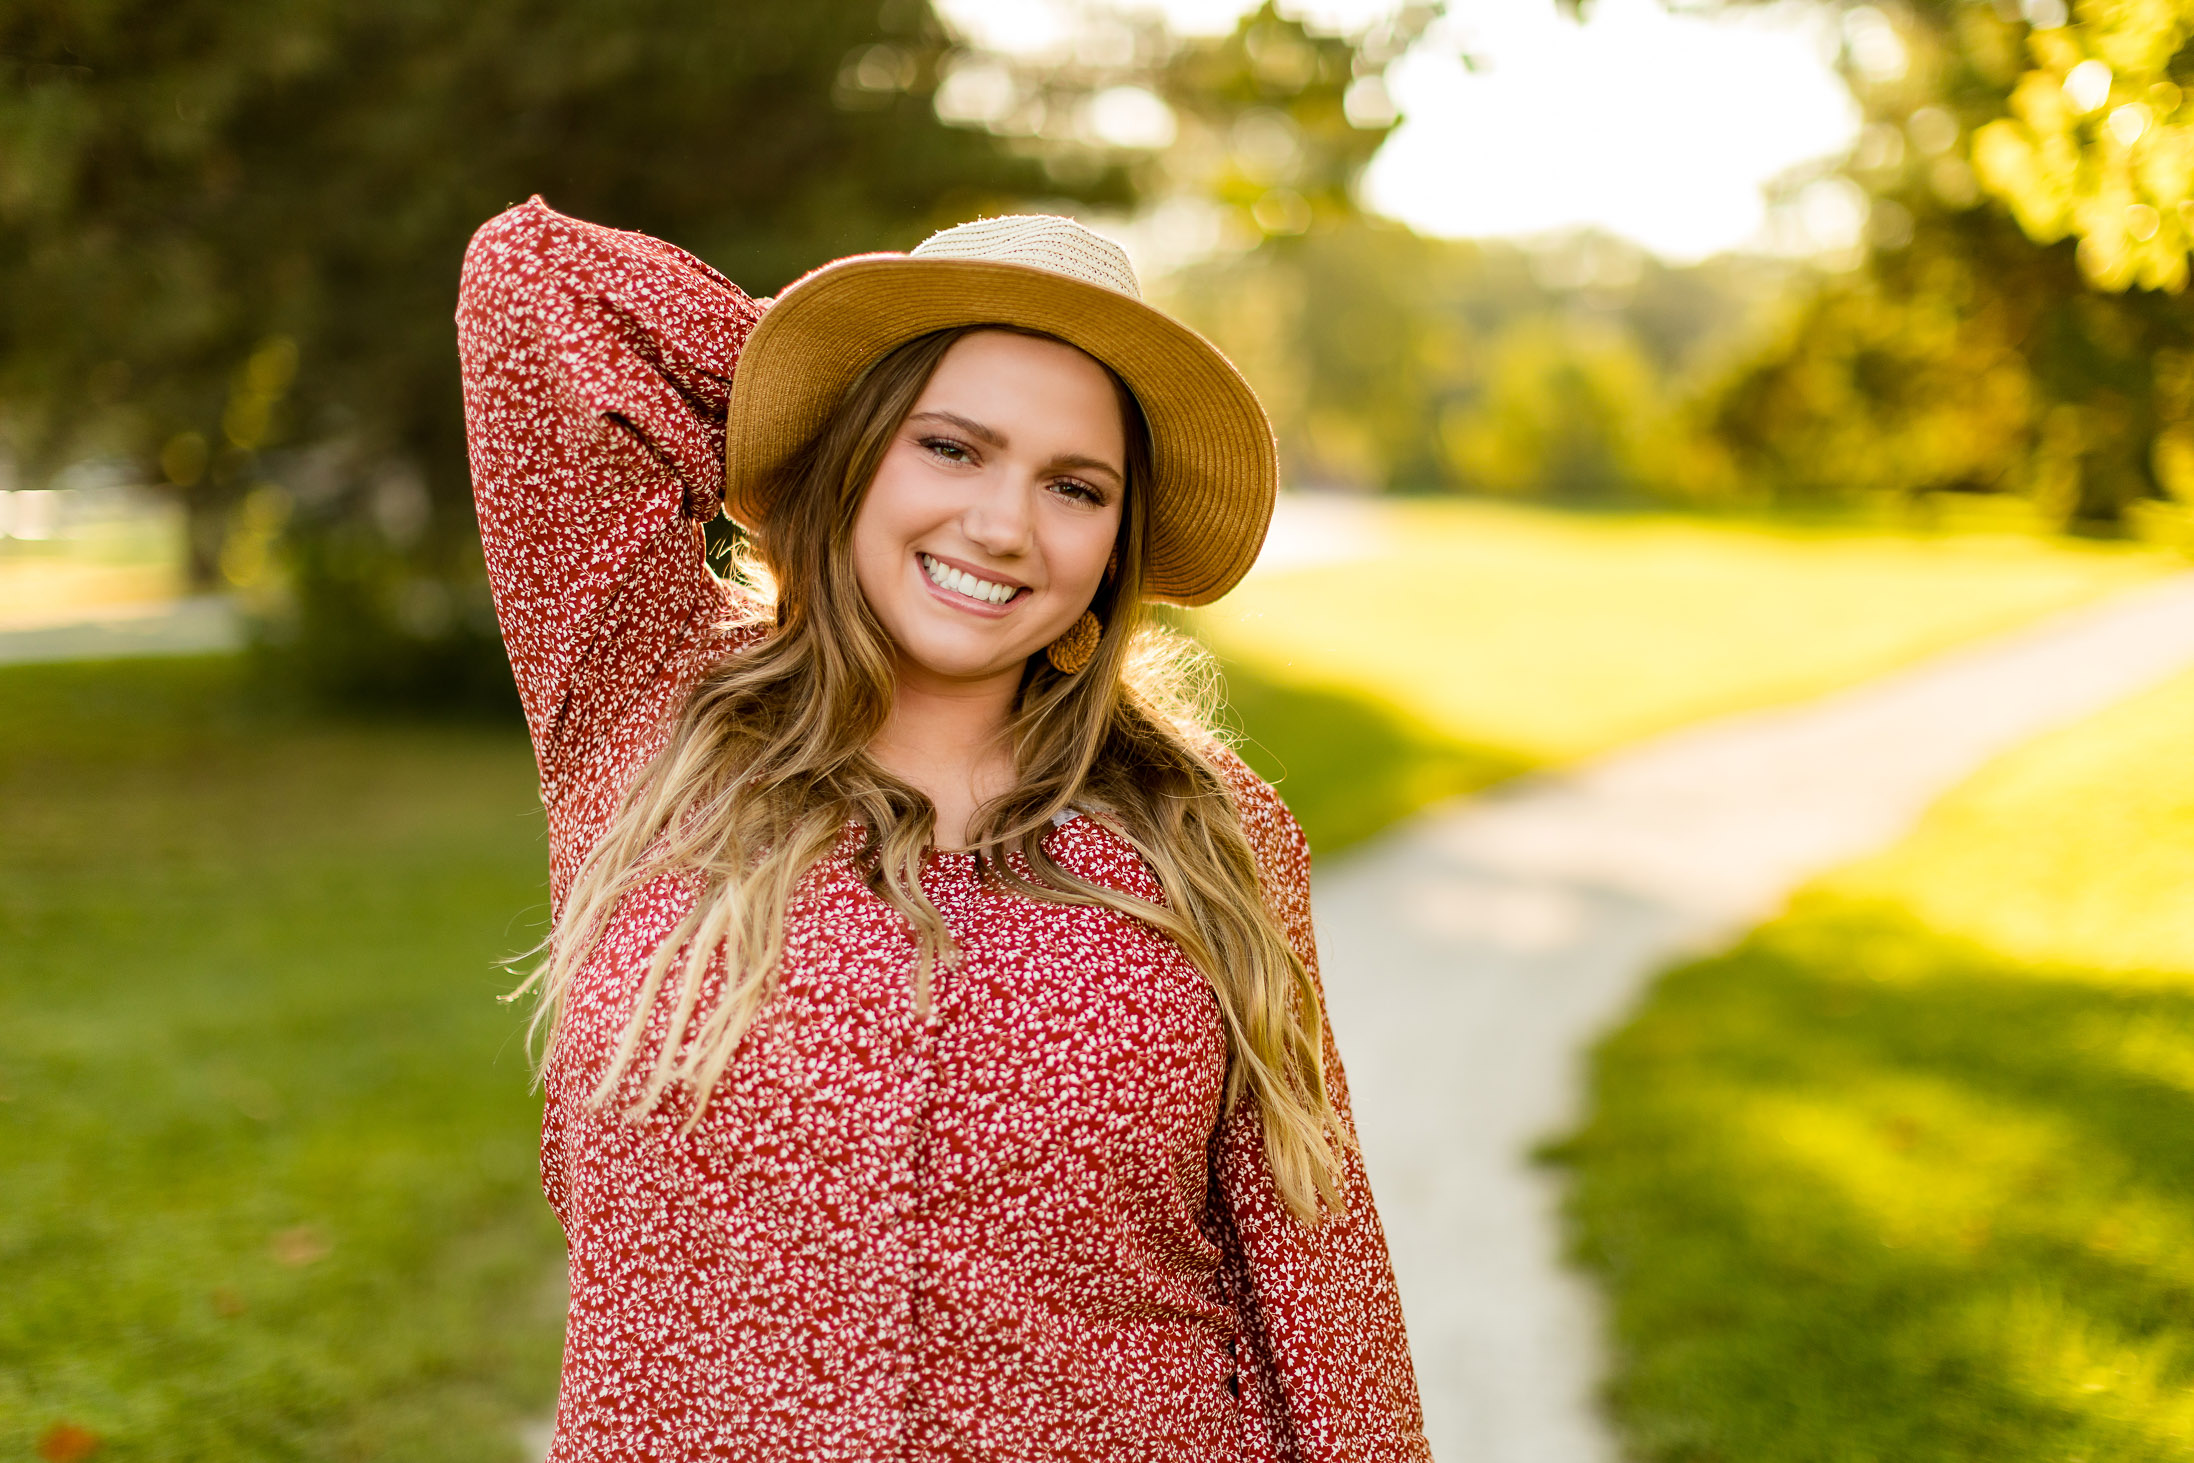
<point x="1215" y="466"/>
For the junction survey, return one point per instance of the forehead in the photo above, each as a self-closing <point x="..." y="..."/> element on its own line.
<point x="1024" y="385"/>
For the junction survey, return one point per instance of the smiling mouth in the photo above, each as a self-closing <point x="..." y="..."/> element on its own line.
<point x="959" y="581"/>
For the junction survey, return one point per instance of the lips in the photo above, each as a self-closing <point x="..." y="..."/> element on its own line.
<point x="959" y="581"/>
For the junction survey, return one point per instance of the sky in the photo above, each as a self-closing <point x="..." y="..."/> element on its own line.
<point x="1659" y="128"/>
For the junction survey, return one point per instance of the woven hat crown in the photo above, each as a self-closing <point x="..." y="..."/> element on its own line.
<point x="1041" y="241"/>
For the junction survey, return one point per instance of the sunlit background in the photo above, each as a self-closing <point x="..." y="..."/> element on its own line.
<point x="1665" y="129"/>
<point x="1634" y="365"/>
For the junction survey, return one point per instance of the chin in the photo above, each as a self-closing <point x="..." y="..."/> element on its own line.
<point x="961" y="662"/>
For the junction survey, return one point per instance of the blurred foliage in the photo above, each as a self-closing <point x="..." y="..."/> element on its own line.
<point x="1277" y="122"/>
<point x="2100" y="141"/>
<point x="1977" y="347"/>
<point x="1388" y="360"/>
<point x="1905" y="1174"/>
<point x="1225" y="139"/>
<point x="230" y="236"/>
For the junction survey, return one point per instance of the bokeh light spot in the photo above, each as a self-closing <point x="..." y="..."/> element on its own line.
<point x="2087" y="85"/>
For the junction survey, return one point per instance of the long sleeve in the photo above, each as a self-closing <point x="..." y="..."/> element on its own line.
<point x="1323" y="1364"/>
<point x="596" y="366"/>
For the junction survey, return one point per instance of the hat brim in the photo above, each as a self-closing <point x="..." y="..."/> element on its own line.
<point x="1215" y="465"/>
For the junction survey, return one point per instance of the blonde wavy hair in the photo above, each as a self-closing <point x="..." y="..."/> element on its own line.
<point x="768" y="762"/>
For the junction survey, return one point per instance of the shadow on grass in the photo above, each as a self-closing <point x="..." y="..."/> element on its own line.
<point x="1347" y="764"/>
<point x="1859" y="1191"/>
<point x="268" y="1147"/>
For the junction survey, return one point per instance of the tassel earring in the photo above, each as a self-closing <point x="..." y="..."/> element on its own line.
<point x="1073" y="650"/>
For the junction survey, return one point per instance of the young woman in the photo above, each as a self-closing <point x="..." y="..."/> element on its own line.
<point x="937" y="1066"/>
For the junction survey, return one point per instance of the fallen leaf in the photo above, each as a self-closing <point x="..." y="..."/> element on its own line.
<point x="299" y="1246"/>
<point x="65" y="1442"/>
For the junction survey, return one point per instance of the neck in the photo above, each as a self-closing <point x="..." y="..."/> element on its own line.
<point x="947" y="738"/>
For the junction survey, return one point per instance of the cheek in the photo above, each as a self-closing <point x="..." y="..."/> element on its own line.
<point x="1078" y="549"/>
<point x="882" y="528"/>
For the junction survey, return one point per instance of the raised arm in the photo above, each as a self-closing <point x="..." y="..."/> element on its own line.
<point x="1324" y="1364"/>
<point x="597" y="365"/>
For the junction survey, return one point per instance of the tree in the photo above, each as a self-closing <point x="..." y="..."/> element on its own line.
<point x="230" y="232"/>
<point x="2099" y="143"/>
<point x="230" y="235"/>
<point x="2006" y="332"/>
<point x="1393" y="361"/>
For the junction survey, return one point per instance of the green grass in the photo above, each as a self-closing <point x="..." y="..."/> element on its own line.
<point x="1348" y="763"/>
<point x="266" y="1142"/>
<point x="1487" y="639"/>
<point x="267" y="1153"/>
<point x="1909" y="1174"/>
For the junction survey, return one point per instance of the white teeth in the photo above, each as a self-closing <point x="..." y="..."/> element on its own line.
<point x="962" y="582"/>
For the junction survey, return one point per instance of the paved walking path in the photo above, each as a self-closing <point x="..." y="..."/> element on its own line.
<point x="202" y="626"/>
<point x="1471" y="955"/>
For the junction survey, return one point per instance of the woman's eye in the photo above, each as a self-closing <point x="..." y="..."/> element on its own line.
<point x="1078" y="490"/>
<point x="946" y="448"/>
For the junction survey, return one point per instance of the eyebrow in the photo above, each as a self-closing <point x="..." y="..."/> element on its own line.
<point x="966" y="424"/>
<point x="997" y="439"/>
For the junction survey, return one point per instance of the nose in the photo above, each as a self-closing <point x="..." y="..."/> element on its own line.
<point x="998" y="519"/>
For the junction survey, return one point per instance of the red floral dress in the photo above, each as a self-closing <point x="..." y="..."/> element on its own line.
<point x="1014" y="1228"/>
